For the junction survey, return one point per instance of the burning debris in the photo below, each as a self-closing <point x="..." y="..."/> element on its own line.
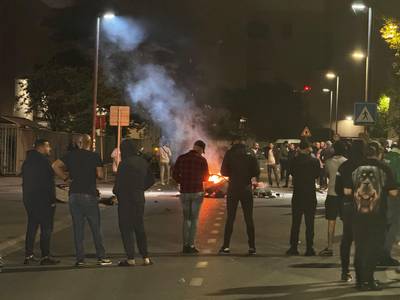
<point x="216" y="187"/>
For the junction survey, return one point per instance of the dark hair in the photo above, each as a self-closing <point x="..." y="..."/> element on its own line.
<point x="357" y="150"/>
<point x="129" y="148"/>
<point x="374" y="149"/>
<point x="40" y="142"/>
<point x="340" y="148"/>
<point x="304" y="144"/>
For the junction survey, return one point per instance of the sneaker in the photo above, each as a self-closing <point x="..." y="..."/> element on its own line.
<point x="224" y="250"/>
<point x="104" y="262"/>
<point x="47" y="261"/>
<point x="30" y="259"/>
<point x="252" y="251"/>
<point x="326" y="252"/>
<point x="292" y="251"/>
<point x="127" y="263"/>
<point x="147" y="261"/>
<point x="193" y="250"/>
<point x="346" y="277"/>
<point x="310" y="252"/>
<point x="80" y="263"/>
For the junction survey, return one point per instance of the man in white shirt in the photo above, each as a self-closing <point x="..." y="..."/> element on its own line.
<point x="165" y="155"/>
<point x="333" y="201"/>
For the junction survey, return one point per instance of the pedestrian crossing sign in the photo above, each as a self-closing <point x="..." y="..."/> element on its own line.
<point x="306" y="132"/>
<point x="365" y="113"/>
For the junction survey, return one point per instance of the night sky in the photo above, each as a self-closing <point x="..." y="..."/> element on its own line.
<point x="234" y="44"/>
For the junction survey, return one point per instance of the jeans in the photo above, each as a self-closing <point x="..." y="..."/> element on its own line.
<point x="273" y="168"/>
<point x="298" y="210"/>
<point x="245" y="197"/>
<point x="44" y="219"/>
<point x="368" y="238"/>
<point x="131" y="224"/>
<point x="284" y="168"/>
<point x="85" y="207"/>
<point x="165" y="172"/>
<point x="191" y="205"/>
<point x="347" y="236"/>
<point x="393" y="217"/>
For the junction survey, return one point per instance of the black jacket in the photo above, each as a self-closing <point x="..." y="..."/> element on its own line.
<point x="240" y="166"/>
<point x="134" y="174"/>
<point x="38" y="180"/>
<point x="304" y="169"/>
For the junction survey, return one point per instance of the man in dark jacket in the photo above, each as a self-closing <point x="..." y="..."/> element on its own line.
<point x="39" y="200"/>
<point x="240" y="166"/>
<point x="304" y="170"/>
<point x="134" y="176"/>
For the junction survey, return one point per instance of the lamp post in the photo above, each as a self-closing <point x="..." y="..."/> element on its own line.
<point x="108" y="15"/>
<point x="362" y="7"/>
<point x="330" y="106"/>
<point x="331" y="76"/>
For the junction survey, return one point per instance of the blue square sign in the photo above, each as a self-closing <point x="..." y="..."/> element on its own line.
<point x="365" y="113"/>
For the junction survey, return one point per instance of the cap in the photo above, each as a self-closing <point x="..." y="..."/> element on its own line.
<point x="201" y="144"/>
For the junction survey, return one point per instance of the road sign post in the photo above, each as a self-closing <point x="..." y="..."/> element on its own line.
<point x="120" y="117"/>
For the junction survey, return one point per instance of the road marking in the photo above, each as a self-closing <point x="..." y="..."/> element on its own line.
<point x="211" y="241"/>
<point x="217" y="224"/>
<point x="196" y="281"/>
<point x="221" y="213"/>
<point x="218" y="218"/>
<point x="202" y="264"/>
<point x="214" y="231"/>
<point x="206" y="251"/>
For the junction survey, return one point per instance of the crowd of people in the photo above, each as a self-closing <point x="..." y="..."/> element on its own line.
<point x="361" y="179"/>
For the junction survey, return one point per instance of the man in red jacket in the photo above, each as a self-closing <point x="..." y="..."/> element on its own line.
<point x="190" y="171"/>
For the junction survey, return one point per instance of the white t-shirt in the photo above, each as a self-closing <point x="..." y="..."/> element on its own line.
<point x="165" y="154"/>
<point x="332" y="166"/>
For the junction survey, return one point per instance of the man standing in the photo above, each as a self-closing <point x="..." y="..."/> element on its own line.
<point x="39" y="200"/>
<point x="240" y="166"/>
<point x="83" y="167"/>
<point x="165" y="161"/>
<point x="304" y="170"/>
<point x="190" y="171"/>
<point x="256" y="149"/>
<point x="370" y="184"/>
<point x="333" y="202"/>
<point x="393" y="214"/>
<point x="283" y="159"/>
<point x="272" y="157"/>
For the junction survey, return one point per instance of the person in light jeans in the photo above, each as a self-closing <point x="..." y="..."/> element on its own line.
<point x="165" y="154"/>
<point x="190" y="171"/>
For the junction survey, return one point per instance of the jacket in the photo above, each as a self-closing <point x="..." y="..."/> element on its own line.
<point x="240" y="166"/>
<point x="38" y="184"/>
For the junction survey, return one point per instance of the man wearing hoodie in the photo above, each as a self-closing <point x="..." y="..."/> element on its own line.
<point x="304" y="170"/>
<point x="39" y="200"/>
<point x="240" y="166"/>
<point x="134" y="176"/>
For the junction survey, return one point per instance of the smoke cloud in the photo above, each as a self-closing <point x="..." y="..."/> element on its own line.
<point x="152" y="87"/>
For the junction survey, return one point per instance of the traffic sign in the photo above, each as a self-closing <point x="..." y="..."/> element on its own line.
<point x="121" y="114"/>
<point x="365" y="113"/>
<point x="306" y="132"/>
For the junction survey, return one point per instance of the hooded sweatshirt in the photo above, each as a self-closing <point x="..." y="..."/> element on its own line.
<point x="134" y="174"/>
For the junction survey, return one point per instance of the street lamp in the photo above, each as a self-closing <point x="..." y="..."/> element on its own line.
<point x="108" y="16"/>
<point x="330" y="105"/>
<point x="358" y="55"/>
<point x="361" y="7"/>
<point x="331" y="76"/>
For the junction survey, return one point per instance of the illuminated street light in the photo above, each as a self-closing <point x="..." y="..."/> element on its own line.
<point x="109" y="15"/>
<point x="358" y="7"/>
<point x="330" y="75"/>
<point x="326" y="90"/>
<point x="349" y="118"/>
<point x="358" y="55"/>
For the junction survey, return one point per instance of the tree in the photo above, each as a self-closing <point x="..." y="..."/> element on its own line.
<point x="382" y="125"/>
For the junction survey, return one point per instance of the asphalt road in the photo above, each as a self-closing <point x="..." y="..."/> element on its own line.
<point x="269" y="275"/>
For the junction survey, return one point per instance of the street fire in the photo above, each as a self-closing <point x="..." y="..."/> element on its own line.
<point x="216" y="187"/>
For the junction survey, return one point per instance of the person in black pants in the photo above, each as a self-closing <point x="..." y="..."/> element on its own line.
<point x="39" y="200"/>
<point x="240" y="166"/>
<point x="134" y="176"/>
<point x="370" y="185"/>
<point x="305" y="170"/>
<point x="356" y="155"/>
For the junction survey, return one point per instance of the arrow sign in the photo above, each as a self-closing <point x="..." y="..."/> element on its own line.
<point x="365" y="113"/>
